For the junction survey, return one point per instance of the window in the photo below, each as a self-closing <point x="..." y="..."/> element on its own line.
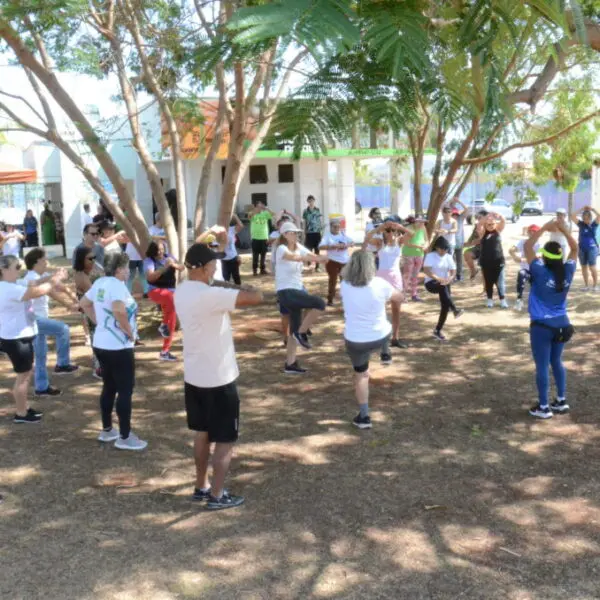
<point x="223" y="174"/>
<point x="286" y="173"/>
<point x="258" y="174"/>
<point x="254" y="198"/>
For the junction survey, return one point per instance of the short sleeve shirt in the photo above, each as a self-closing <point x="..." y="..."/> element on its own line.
<point x="544" y="301"/>
<point x="259" y="225"/>
<point x="17" y="319"/>
<point x="288" y="273"/>
<point x="313" y="220"/>
<point x="440" y="265"/>
<point x="40" y="305"/>
<point x="587" y="234"/>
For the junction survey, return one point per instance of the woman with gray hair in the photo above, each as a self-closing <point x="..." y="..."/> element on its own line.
<point x="111" y="307"/>
<point x="367" y="329"/>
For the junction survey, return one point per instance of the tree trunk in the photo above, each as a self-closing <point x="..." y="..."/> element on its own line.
<point x="418" y="169"/>
<point x="356" y="133"/>
<point x="571" y="205"/>
<point x="372" y="138"/>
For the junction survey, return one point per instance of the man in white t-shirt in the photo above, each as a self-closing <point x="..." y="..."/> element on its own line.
<point x="36" y="264"/>
<point x="337" y="243"/>
<point x="517" y="253"/>
<point x="210" y="370"/>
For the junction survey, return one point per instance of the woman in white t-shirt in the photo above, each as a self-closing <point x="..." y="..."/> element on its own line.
<point x="447" y="228"/>
<point x="18" y="328"/>
<point x="440" y="269"/>
<point x="231" y="261"/>
<point x="336" y="242"/>
<point x="289" y="258"/>
<point x="389" y="255"/>
<point x="109" y="304"/>
<point x="367" y="328"/>
<point x="10" y="241"/>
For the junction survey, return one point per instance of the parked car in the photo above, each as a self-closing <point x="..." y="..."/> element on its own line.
<point x="533" y="207"/>
<point x="504" y="208"/>
<point x="476" y="206"/>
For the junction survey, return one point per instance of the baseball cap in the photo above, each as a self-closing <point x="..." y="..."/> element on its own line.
<point x="533" y="228"/>
<point x="455" y="211"/>
<point x="288" y="228"/>
<point x="561" y="211"/>
<point x="199" y="255"/>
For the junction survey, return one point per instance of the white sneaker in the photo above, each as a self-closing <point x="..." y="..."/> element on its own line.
<point x="596" y="289"/>
<point x="132" y="442"/>
<point x="504" y="304"/>
<point x="108" y="436"/>
<point x="585" y="288"/>
<point x="519" y="305"/>
<point x="490" y="304"/>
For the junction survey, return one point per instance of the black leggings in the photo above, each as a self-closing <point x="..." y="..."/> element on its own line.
<point x="446" y="302"/>
<point x="522" y="278"/>
<point x="491" y="275"/>
<point x="259" y="249"/>
<point x="458" y="259"/>
<point x="118" y="381"/>
<point x="231" y="270"/>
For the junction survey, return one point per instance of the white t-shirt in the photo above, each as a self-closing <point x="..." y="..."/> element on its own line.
<point x="132" y="252"/>
<point x="389" y="258"/>
<point x="377" y="236"/>
<point x="520" y="248"/>
<point x="440" y="265"/>
<point x="288" y="273"/>
<point x="208" y="350"/>
<point x="557" y="236"/>
<point x="17" y="319"/>
<point x="450" y="237"/>
<point x="364" y="310"/>
<point x="108" y="334"/>
<point x="40" y="305"/>
<point x="112" y="248"/>
<point x="340" y="256"/>
<point x="12" y="245"/>
<point x="230" y="249"/>
<point x="274" y="235"/>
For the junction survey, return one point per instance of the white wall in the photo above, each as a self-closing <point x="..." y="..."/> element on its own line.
<point x="596" y="187"/>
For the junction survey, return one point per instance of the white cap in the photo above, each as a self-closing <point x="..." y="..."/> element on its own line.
<point x="561" y="211"/>
<point x="288" y="228"/>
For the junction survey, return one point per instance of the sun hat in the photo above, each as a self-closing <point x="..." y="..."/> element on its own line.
<point x="199" y="255"/>
<point x="561" y="211"/>
<point x="289" y="228"/>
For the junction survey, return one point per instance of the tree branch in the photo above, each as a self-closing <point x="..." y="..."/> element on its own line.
<point x="27" y="103"/>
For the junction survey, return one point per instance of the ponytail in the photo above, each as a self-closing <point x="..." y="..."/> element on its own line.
<point x="556" y="265"/>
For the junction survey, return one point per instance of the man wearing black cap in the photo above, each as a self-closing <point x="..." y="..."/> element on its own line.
<point x="210" y="370"/>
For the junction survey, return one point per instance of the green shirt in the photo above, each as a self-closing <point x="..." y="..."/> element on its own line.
<point x="259" y="225"/>
<point x="417" y="238"/>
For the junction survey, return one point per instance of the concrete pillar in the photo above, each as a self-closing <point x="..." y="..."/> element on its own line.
<point x="400" y="188"/>
<point x="595" y="202"/>
<point x="346" y="193"/>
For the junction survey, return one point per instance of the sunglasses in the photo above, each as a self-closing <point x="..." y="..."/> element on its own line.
<point x="90" y="258"/>
<point x="389" y="230"/>
<point x="93" y="233"/>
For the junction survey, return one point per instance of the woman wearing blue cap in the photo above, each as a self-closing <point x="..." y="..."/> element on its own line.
<point x="550" y="329"/>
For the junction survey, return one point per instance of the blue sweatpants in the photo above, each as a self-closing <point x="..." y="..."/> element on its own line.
<point x="548" y="354"/>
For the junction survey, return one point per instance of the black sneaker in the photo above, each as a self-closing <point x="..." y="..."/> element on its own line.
<point x="294" y="369"/>
<point x="302" y="339"/>
<point x="32" y="411"/>
<point x="540" y="412"/>
<point x="66" y="370"/>
<point x="201" y="495"/>
<point x="362" y="422"/>
<point x="29" y="417"/>
<point x="438" y="335"/>
<point x="225" y="501"/>
<point x="398" y="344"/>
<point x="458" y="313"/>
<point x="163" y="330"/>
<point x="49" y="391"/>
<point x="386" y="359"/>
<point x="309" y="333"/>
<point x="560" y="407"/>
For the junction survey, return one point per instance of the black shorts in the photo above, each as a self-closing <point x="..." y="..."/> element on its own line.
<point x="312" y="241"/>
<point x="214" y="410"/>
<point x="20" y="352"/>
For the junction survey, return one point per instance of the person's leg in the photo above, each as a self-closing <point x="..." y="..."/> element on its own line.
<point x="145" y="284"/>
<point x="309" y="320"/>
<point x="558" y="370"/>
<point x="446" y="305"/>
<point x="226" y="269"/>
<point x="220" y="463"/>
<point x="109" y="386"/>
<point x="264" y="246"/>
<point x="124" y="378"/>
<point x="592" y="258"/>
<point x="201" y="458"/>
<point x="132" y="270"/>
<point x="417" y="263"/>
<point x="60" y="331"/>
<point x="458" y="254"/>
<point x="333" y="269"/>
<point x="170" y="318"/>
<point x="361" y="389"/>
<point x="470" y="262"/>
<point x="488" y="278"/>
<point x="541" y="347"/>
<point x="521" y="279"/>
<point x="20" y="390"/>
<point x="584" y="271"/>
<point x="406" y="266"/>
<point x="501" y="283"/>
<point x="395" y="319"/>
<point x="40" y="350"/>
<point x="255" y="254"/>
<point x="235" y="271"/>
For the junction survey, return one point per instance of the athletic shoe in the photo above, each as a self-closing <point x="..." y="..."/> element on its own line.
<point x="504" y="304"/>
<point x="29" y="417"/>
<point x="459" y="312"/>
<point x="540" y="412"/>
<point x="108" y="436"/>
<point x="309" y="333"/>
<point x="66" y="370"/>
<point x="225" y="501"/>
<point x="294" y="369"/>
<point x="490" y="304"/>
<point x="560" y="407"/>
<point x="132" y="442"/>
<point x="302" y="339"/>
<point x="438" y="335"/>
<point x="97" y="373"/>
<point x="585" y="288"/>
<point x="398" y="344"/>
<point x="596" y="289"/>
<point x="49" y="391"/>
<point x="138" y="342"/>
<point x="32" y="411"/>
<point x="386" y="359"/>
<point x="329" y="302"/>
<point x="264" y="272"/>
<point x="163" y="329"/>
<point x="201" y="495"/>
<point x="362" y="422"/>
<point x="167" y="356"/>
<point x="417" y="299"/>
<point x="519" y="304"/>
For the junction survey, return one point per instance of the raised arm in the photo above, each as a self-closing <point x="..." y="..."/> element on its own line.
<point x="574" y="218"/>
<point x="573" y="246"/>
<point x="528" y="247"/>
<point x="238" y="223"/>
<point x="119" y="237"/>
<point x="500" y="227"/>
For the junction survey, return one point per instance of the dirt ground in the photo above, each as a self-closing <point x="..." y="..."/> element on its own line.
<point x="454" y="494"/>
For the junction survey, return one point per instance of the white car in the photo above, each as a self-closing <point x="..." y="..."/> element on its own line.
<point x="504" y="208"/>
<point x="533" y="207"/>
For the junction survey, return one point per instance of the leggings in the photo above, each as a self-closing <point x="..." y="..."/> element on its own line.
<point x="231" y="270"/>
<point x="446" y="302"/>
<point x="411" y="266"/>
<point x="259" y="250"/>
<point x="522" y="278"/>
<point x="333" y="269"/>
<point x="547" y="353"/>
<point x="164" y="298"/>
<point x="118" y="381"/>
<point x="458" y="259"/>
<point x="494" y="276"/>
